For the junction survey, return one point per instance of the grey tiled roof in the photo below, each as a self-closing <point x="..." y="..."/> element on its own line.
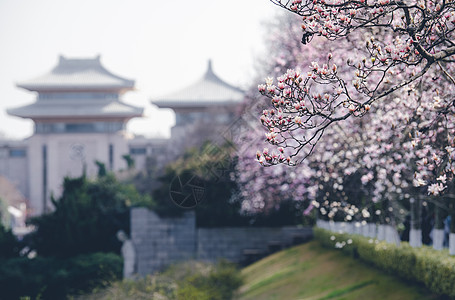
<point x="210" y="90"/>
<point x="76" y="108"/>
<point x="80" y="75"/>
<point x="77" y="76"/>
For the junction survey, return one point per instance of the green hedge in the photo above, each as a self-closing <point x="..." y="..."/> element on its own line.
<point x="435" y="269"/>
<point x="53" y="278"/>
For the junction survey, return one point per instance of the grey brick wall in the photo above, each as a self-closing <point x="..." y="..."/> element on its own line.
<point x="160" y="242"/>
<point x="236" y="243"/>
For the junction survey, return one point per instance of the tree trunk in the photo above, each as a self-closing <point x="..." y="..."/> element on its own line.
<point x="452" y="226"/>
<point x="438" y="231"/>
<point x="415" y="234"/>
<point x="365" y="229"/>
<point x="391" y="235"/>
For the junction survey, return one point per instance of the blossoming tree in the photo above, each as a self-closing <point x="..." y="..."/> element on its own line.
<point x="414" y="39"/>
<point x="334" y="170"/>
<point x="265" y="189"/>
<point x="402" y="54"/>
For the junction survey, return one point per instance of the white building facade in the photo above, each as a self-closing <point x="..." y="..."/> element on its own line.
<point x="79" y="119"/>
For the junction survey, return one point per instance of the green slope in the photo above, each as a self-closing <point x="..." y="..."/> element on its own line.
<point x="312" y="272"/>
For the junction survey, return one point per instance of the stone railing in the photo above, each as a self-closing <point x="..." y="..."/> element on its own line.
<point x="381" y="232"/>
<point x="388" y="233"/>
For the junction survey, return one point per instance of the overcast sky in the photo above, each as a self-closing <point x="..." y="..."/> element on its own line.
<point x="163" y="45"/>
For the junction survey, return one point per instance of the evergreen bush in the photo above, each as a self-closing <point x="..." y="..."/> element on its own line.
<point x="55" y="278"/>
<point x="435" y="269"/>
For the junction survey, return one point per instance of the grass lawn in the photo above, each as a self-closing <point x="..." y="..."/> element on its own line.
<point x="310" y="271"/>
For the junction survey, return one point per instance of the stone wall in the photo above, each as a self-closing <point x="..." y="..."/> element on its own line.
<point x="244" y="243"/>
<point x="159" y="241"/>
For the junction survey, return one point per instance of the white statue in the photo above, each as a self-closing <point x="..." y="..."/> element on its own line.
<point x="128" y="253"/>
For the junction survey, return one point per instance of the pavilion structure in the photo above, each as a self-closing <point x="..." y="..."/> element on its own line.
<point x="202" y="110"/>
<point x="79" y="119"/>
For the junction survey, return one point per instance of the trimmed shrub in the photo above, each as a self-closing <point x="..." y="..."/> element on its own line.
<point x="9" y="245"/>
<point x="435" y="269"/>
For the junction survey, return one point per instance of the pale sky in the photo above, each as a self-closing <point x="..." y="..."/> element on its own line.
<point x="163" y="45"/>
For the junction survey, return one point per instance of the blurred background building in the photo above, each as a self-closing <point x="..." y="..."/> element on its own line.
<point x="80" y="119"/>
<point x="202" y="110"/>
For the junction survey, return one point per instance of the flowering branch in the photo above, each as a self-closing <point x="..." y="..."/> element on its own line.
<point x="404" y="40"/>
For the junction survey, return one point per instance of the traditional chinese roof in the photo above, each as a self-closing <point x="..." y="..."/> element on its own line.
<point x="48" y="109"/>
<point x="78" y="75"/>
<point x="80" y="88"/>
<point x="208" y="91"/>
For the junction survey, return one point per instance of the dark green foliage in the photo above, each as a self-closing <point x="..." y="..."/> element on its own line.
<point x="290" y="212"/>
<point x="435" y="269"/>
<point x="129" y="161"/>
<point x="219" y="206"/>
<point x="69" y="240"/>
<point x="146" y="180"/>
<point x="101" y="169"/>
<point x="86" y="218"/>
<point x="9" y="246"/>
<point x="222" y="201"/>
<point x="54" y="278"/>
